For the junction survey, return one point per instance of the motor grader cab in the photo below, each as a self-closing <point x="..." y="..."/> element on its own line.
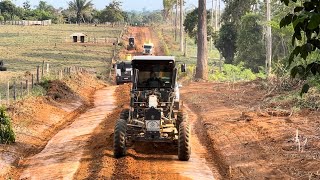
<point x="2" y="68"/>
<point x="155" y="113"/>
<point x="131" y="45"/>
<point x="123" y="72"/>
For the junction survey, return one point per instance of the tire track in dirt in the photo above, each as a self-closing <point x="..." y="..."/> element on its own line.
<point x="159" y="160"/>
<point x="98" y="161"/>
<point x="143" y="160"/>
<point x="61" y="156"/>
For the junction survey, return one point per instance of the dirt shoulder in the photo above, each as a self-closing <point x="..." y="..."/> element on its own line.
<point x="250" y="142"/>
<point x="37" y="119"/>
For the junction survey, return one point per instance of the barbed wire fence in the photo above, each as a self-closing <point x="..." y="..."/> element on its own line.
<point x="115" y="55"/>
<point x="18" y="88"/>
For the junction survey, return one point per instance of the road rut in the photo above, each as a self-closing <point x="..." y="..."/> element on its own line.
<point x="60" y="159"/>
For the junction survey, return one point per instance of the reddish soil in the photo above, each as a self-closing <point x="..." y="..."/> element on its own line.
<point x="249" y="142"/>
<point x="236" y="134"/>
<point x="142" y="35"/>
<point x="37" y="119"/>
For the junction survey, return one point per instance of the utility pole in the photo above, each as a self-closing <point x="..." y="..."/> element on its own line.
<point x="181" y="26"/>
<point x="268" y="41"/>
<point x="176" y="22"/>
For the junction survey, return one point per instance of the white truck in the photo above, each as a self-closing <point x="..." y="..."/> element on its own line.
<point x="147" y="48"/>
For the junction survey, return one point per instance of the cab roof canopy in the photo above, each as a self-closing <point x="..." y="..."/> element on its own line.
<point x="154" y="58"/>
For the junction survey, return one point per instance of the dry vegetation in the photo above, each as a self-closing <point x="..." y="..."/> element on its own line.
<point x="24" y="47"/>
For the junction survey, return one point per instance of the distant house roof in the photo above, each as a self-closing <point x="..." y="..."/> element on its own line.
<point x="78" y="34"/>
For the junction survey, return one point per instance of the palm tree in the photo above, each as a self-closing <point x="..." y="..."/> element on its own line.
<point x="167" y="8"/>
<point x="80" y="7"/>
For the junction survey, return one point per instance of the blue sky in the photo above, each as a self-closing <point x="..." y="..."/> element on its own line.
<point x="127" y="4"/>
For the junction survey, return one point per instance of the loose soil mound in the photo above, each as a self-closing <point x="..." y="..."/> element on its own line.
<point x="37" y="119"/>
<point x="58" y="90"/>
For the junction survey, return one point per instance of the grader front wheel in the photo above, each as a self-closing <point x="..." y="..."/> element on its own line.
<point x="119" y="143"/>
<point x="184" y="144"/>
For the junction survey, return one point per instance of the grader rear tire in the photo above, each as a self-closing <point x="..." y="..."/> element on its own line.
<point x="119" y="143"/>
<point x="184" y="144"/>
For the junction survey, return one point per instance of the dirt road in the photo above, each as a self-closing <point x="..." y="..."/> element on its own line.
<point x="61" y="157"/>
<point x="143" y="35"/>
<point x="234" y="136"/>
<point x="84" y="149"/>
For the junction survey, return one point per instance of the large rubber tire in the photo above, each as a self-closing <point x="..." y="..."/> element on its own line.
<point x="119" y="142"/>
<point x="181" y="116"/>
<point x="184" y="144"/>
<point x="124" y="114"/>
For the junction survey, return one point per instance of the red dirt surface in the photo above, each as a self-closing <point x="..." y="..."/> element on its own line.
<point x="236" y="134"/>
<point x="249" y="142"/>
<point x="37" y="119"/>
<point x="142" y="35"/>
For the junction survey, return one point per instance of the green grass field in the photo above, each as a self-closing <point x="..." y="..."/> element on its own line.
<point x="23" y="48"/>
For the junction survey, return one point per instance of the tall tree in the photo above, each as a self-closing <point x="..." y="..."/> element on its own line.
<point x="235" y="9"/>
<point x="26" y="5"/>
<point x="44" y="6"/>
<point x="250" y="44"/>
<point x="113" y="13"/>
<point x="268" y="40"/>
<point x="80" y="7"/>
<point x="202" y="55"/>
<point x="167" y="8"/>
<point x="226" y="42"/>
<point x="191" y="24"/>
<point x="7" y="9"/>
<point x="181" y="26"/>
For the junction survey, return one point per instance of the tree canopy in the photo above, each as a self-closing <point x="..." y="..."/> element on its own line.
<point x="191" y="24"/>
<point x="80" y="7"/>
<point x="305" y="20"/>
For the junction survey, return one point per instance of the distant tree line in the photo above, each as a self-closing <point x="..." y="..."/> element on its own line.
<point x="78" y="11"/>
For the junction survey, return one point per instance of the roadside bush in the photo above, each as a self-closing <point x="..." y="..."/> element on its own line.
<point x="234" y="73"/>
<point x="7" y="135"/>
<point x="189" y="72"/>
<point x="164" y="44"/>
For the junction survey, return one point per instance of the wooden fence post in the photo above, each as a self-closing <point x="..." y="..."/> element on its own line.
<point x="48" y="69"/>
<point x="27" y="87"/>
<point x="21" y="89"/>
<point x="8" y="93"/>
<point x="14" y="91"/>
<point x="32" y="81"/>
<point x="38" y="71"/>
<point x="42" y="69"/>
